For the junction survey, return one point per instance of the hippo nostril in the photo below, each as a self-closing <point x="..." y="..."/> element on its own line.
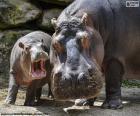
<point x="66" y="82"/>
<point x="91" y="71"/>
<point x="82" y="79"/>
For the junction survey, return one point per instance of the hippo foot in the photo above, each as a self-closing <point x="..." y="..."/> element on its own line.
<point x="112" y="104"/>
<point x="30" y="103"/>
<point x="40" y="101"/>
<point x="84" y="102"/>
<point x="51" y="97"/>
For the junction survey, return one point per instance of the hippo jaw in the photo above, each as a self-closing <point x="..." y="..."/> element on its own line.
<point x="38" y="69"/>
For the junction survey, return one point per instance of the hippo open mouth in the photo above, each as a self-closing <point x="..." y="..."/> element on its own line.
<point x="38" y="69"/>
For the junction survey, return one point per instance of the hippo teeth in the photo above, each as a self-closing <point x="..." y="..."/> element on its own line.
<point x="43" y="65"/>
<point x="38" y="69"/>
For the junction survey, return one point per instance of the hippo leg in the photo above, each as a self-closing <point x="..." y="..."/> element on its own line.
<point x="85" y="102"/>
<point x="38" y="93"/>
<point x="12" y="90"/>
<point x="50" y="95"/>
<point x="30" y="96"/>
<point x="38" y="96"/>
<point x="114" y="72"/>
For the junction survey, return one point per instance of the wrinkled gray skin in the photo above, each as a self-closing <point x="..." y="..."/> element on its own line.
<point x="24" y="64"/>
<point x="76" y="57"/>
<point x="113" y="31"/>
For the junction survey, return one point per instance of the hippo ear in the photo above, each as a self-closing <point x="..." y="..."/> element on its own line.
<point x="21" y="45"/>
<point x="54" y="22"/>
<point x="86" y="20"/>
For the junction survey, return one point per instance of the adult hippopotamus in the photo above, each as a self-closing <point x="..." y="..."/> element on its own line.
<point x="29" y="66"/>
<point x="91" y="35"/>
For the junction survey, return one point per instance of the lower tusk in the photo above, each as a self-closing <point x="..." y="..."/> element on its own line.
<point x="32" y="67"/>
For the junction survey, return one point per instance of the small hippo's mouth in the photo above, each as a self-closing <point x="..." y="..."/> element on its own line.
<point x="38" y="69"/>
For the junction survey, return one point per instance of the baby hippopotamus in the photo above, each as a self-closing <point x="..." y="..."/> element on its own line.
<point x="30" y="67"/>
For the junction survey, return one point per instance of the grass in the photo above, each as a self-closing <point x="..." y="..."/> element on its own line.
<point x="131" y="83"/>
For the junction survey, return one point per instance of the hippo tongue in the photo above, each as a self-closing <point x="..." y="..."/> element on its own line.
<point x="38" y="69"/>
<point x="38" y="74"/>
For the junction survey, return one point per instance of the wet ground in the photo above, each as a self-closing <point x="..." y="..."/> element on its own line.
<point x="131" y="101"/>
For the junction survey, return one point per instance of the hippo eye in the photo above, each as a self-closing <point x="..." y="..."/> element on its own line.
<point x="78" y="41"/>
<point x="27" y="48"/>
<point x="57" y="30"/>
<point x="85" y="42"/>
<point x="58" y="47"/>
<point x="45" y="48"/>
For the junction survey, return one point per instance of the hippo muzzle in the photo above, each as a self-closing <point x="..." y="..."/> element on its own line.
<point x="77" y="85"/>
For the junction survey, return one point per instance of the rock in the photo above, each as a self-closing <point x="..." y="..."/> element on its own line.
<point x="7" y="40"/>
<point x="45" y="22"/>
<point x="16" y="12"/>
<point x="9" y="37"/>
<point x="59" y="2"/>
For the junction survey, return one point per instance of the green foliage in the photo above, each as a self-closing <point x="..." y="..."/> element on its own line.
<point x="131" y="83"/>
<point x="10" y="38"/>
<point x="17" y="12"/>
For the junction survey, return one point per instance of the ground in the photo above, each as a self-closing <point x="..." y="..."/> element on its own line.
<point x="131" y="101"/>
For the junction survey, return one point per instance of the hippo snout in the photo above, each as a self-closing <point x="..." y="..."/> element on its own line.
<point x="73" y="85"/>
<point x="78" y="80"/>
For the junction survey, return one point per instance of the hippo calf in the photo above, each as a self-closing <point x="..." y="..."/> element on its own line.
<point x="94" y="36"/>
<point x="29" y="66"/>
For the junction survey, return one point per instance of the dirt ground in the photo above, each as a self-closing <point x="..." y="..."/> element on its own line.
<point x="131" y="101"/>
